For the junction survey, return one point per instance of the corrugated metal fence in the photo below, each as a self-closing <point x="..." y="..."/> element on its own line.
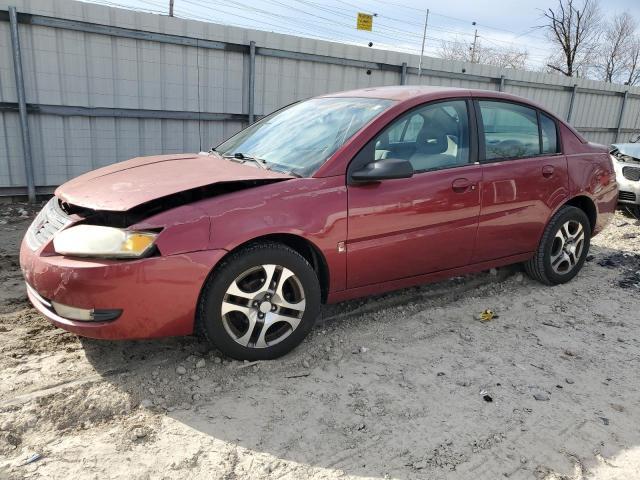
<point x="103" y="85"/>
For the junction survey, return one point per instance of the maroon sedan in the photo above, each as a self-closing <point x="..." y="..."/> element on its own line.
<point x="328" y="199"/>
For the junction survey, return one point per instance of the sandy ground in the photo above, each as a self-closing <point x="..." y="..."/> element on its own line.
<point x="405" y="385"/>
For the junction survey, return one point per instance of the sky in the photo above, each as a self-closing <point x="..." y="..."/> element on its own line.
<point x="397" y="24"/>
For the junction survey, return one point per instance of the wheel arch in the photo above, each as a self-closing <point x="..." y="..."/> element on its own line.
<point x="300" y="244"/>
<point x="587" y="205"/>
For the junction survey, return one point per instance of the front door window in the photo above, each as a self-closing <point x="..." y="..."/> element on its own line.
<point x="432" y="137"/>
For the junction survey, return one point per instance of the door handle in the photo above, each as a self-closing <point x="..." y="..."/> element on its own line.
<point x="461" y="185"/>
<point x="547" y="171"/>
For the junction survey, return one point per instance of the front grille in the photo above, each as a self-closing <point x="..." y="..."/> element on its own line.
<point x="627" y="196"/>
<point x="631" y="173"/>
<point x="47" y="223"/>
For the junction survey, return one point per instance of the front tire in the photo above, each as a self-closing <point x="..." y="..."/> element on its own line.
<point x="260" y="303"/>
<point x="563" y="248"/>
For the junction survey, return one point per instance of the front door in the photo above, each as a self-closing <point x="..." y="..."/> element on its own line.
<point x="427" y="223"/>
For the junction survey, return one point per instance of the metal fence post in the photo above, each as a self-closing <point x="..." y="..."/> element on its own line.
<point x="501" y="87"/>
<point x="22" y="104"/>
<point x="403" y="74"/>
<point x="252" y="81"/>
<point x="622" y="107"/>
<point x="573" y="97"/>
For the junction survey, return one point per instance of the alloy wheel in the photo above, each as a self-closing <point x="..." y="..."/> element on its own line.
<point x="567" y="247"/>
<point x="263" y="306"/>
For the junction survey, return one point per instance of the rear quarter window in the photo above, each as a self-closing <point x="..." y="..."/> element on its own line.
<point x="549" y="134"/>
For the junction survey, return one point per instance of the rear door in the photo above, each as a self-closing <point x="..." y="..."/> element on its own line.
<point x="524" y="177"/>
<point x="406" y="227"/>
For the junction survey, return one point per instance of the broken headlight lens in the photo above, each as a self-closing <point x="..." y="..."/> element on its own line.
<point x="104" y="242"/>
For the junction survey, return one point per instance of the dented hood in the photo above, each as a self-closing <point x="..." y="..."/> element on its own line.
<point x="124" y="185"/>
<point x="628" y="149"/>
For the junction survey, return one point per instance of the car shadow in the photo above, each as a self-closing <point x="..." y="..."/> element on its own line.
<point x="113" y="357"/>
<point x="411" y="382"/>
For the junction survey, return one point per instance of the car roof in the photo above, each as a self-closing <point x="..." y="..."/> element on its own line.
<point x="407" y="93"/>
<point x="399" y="92"/>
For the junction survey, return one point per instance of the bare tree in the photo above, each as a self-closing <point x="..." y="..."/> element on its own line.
<point x="456" y="50"/>
<point x="574" y="28"/>
<point x="615" y="48"/>
<point x="632" y="64"/>
<point x="508" y="57"/>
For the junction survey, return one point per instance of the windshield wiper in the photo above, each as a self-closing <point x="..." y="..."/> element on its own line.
<point x="241" y="156"/>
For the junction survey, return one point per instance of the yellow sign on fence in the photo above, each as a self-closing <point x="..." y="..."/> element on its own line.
<point x="365" y="21"/>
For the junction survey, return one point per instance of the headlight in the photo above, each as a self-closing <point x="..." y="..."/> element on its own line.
<point x="107" y="242"/>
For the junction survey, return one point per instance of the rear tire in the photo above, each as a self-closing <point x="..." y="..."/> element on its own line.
<point x="260" y="303"/>
<point x="563" y="248"/>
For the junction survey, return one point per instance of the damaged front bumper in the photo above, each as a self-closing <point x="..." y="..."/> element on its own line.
<point x="628" y="177"/>
<point x="67" y="312"/>
<point x="111" y="299"/>
<point x="627" y="168"/>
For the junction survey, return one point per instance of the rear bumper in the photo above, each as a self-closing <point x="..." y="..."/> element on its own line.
<point x="606" y="201"/>
<point x="157" y="296"/>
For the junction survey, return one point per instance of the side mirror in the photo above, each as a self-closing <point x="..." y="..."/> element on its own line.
<point x="385" y="169"/>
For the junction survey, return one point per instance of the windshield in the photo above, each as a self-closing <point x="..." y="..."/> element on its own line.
<point x="301" y="137"/>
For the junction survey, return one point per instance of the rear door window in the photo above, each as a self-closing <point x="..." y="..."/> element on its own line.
<point x="510" y="130"/>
